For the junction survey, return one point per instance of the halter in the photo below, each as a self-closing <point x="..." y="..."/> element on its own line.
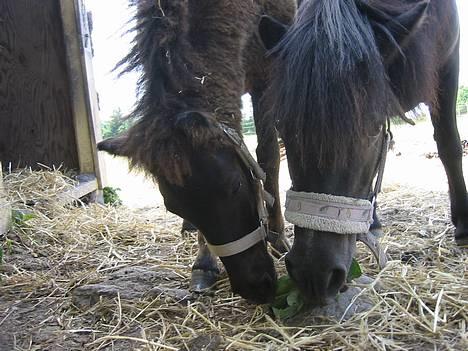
<point x="340" y="214"/>
<point x="263" y="198"/>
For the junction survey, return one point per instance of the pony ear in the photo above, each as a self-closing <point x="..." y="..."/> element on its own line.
<point x="114" y="146"/>
<point x="408" y="21"/>
<point x="197" y="127"/>
<point x="271" y="31"/>
<point x="395" y="28"/>
<point x="189" y="121"/>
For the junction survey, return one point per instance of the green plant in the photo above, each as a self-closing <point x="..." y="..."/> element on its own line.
<point x="354" y="271"/>
<point x="462" y="95"/>
<point x="288" y="299"/>
<point x="111" y="196"/>
<point x="6" y="247"/>
<point x="9" y="245"/>
<point x="20" y="218"/>
<point x="116" y="125"/>
<point x="248" y="126"/>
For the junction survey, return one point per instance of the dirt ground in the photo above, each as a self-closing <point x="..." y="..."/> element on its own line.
<point x="98" y="278"/>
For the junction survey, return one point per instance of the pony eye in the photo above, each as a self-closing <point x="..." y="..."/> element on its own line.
<point x="375" y="133"/>
<point x="237" y="187"/>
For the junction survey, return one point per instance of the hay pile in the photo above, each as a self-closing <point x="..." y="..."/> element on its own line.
<point x="420" y="299"/>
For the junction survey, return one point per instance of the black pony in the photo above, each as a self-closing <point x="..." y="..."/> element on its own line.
<point x="342" y="70"/>
<point x="197" y="58"/>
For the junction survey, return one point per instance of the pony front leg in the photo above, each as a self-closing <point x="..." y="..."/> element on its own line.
<point x="450" y="148"/>
<point x="187" y="227"/>
<point x="376" y="226"/>
<point x="268" y="157"/>
<point x="205" y="271"/>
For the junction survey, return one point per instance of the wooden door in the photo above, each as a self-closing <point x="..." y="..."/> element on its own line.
<point x="36" y="115"/>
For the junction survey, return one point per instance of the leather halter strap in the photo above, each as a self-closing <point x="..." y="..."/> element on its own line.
<point x="262" y="198"/>
<point x="240" y="245"/>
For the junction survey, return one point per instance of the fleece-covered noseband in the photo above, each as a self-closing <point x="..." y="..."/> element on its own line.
<point x="328" y="213"/>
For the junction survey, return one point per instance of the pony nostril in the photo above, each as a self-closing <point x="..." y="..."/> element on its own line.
<point x="289" y="265"/>
<point x="266" y="280"/>
<point x="336" y="280"/>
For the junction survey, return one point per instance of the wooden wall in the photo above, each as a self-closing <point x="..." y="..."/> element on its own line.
<point x="36" y="120"/>
<point x="5" y="210"/>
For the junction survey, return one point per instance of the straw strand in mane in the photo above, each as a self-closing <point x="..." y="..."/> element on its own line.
<point x="166" y="88"/>
<point x="159" y="47"/>
<point x="336" y="85"/>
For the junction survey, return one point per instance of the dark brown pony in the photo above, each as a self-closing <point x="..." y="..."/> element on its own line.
<point x="342" y="70"/>
<point x="197" y="58"/>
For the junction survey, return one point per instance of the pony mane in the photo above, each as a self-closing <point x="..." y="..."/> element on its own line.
<point x="330" y="86"/>
<point x="158" y="143"/>
<point x="158" y="51"/>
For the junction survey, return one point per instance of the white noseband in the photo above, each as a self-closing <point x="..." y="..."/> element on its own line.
<point x="328" y="213"/>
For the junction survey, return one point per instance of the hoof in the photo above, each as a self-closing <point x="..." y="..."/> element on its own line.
<point x="377" y="232"/>
<point x="202" y="280"/>
<point x="188" y="227"/>
<point x="462" y="241"/>
<point x="461" y="234"/>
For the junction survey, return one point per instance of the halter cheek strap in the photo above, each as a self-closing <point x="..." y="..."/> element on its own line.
<point x="263" y="198"/>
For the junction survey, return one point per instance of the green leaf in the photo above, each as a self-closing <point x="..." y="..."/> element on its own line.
<point x="288" y="301"/>
<point x="294" y="306"/>
<point x="115" y="125"/>
<point x="28" y="216"/>
<point x="1" y="254"/>
<point x="294" y="298"/>
<point x="111" y="196"/>
<point x="462" y="95"/>
<point x="21" y="217"/>
<point x="284" y="285"/>
<point x="285" y="313"/>
<point x="354" y="271"/>
<point x="281" y="301"/>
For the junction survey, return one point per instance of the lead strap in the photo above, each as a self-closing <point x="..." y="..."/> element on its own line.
<point x="371" y="241"/>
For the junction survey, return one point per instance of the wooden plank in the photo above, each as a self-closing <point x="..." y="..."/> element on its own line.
<point x="84" y="98"/>
<point x="87" y="183"/>
<point x="35" y="111"/>
<point x="5" y="209"/>
<point x="93" y="104"/>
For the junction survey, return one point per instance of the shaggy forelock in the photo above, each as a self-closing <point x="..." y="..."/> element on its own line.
<point x="329" y="84"/>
